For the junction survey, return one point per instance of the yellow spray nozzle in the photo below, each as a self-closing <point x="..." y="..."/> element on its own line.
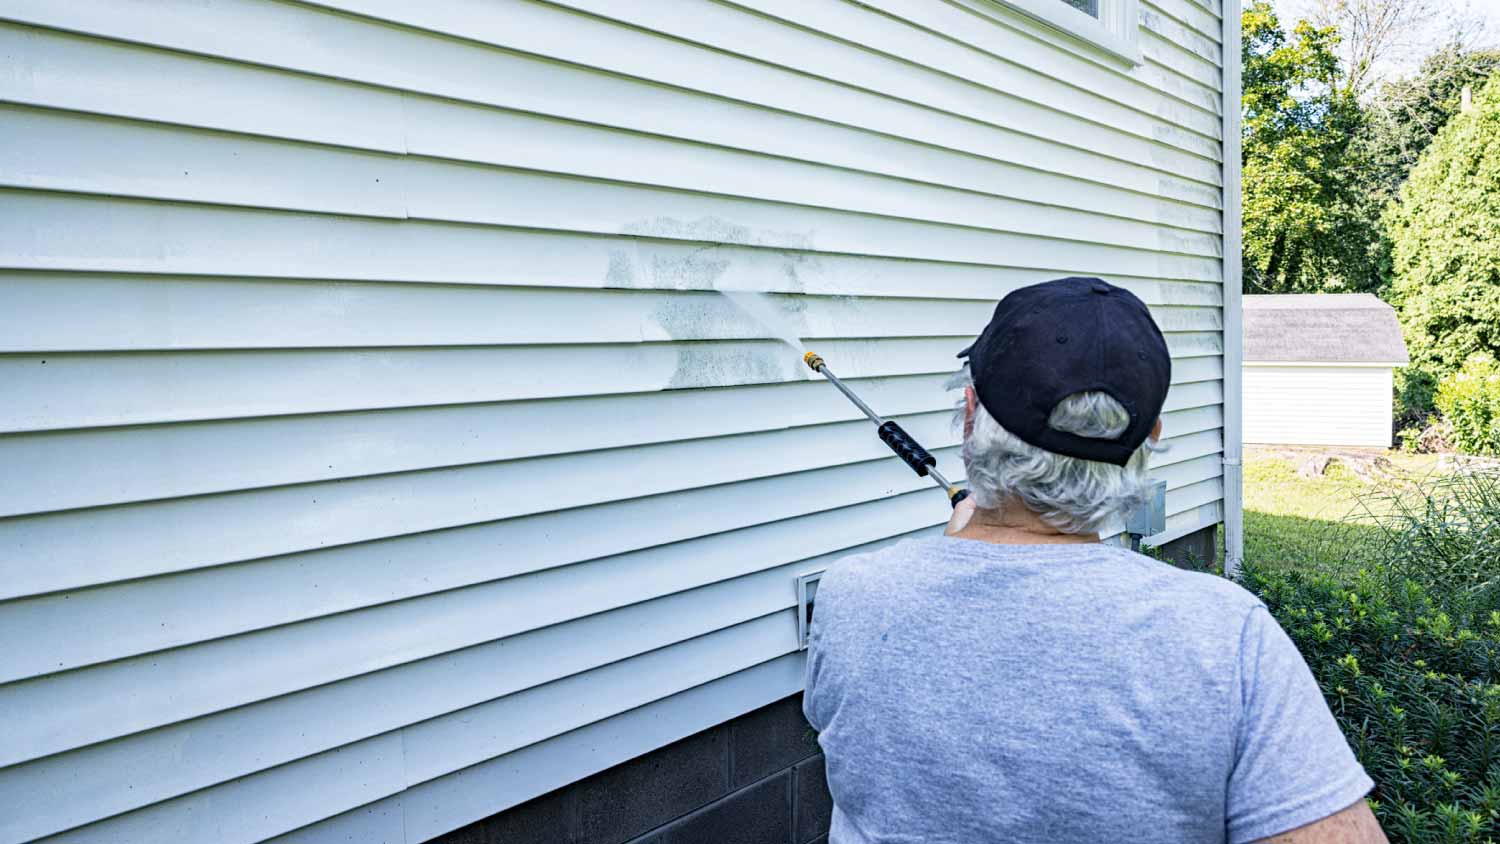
<point x="813" y="360"/>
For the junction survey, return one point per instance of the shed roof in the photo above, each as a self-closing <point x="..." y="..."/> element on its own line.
<point x="1322" y="327"/>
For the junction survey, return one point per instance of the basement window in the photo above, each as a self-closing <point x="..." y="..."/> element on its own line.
<point x="1110" y="26"/>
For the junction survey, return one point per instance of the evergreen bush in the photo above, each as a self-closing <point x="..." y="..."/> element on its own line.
<point x="1445" y="234"/>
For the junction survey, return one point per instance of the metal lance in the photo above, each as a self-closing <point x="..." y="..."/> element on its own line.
<point x="906" y="448"/>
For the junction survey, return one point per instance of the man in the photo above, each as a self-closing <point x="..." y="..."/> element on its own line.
<point x="1017" y="680"/>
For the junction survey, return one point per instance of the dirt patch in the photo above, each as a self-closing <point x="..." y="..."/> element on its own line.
<point x="1370" y="465"/>
<point x="1465" y="464"/>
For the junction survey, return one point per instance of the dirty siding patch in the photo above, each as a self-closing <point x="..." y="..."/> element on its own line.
<point x="705" y="268"/>
<point x="696" y="315"/>
<point x="710" y="229"/>
<point x="658" y="265"/>
<point x="744" y="364"/>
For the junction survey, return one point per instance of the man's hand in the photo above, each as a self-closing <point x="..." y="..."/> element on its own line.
<point x="961" y="515"/>
<point x="1354" y="825"/>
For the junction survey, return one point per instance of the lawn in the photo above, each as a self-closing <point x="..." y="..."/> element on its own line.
<point x="1319" y="523"/>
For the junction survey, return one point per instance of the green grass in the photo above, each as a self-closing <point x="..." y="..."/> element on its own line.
<point x="1324" y="523"/>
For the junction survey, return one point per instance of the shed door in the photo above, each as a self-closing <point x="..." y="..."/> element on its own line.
<point x="1318" y="405"/>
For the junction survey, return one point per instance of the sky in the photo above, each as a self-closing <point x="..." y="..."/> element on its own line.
<point x="1406" y="59"/>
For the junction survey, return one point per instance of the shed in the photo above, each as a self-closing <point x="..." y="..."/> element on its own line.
<point x="379" y="454"/>
<point x="1319" y="369"/>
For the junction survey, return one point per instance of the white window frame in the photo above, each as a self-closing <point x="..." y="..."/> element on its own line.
<point x="1116" y="31"/>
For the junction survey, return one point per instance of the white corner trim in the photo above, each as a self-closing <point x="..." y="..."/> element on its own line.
<point x="1115" y="31"/>
<point x="1234" y="351"/>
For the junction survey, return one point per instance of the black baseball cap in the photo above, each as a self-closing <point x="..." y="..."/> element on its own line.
<point x="1071" y="335"/>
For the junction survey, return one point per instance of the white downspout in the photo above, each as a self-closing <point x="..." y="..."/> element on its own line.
<point x="1234" y="358"/>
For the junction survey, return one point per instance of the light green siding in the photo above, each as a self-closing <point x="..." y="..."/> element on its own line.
<point x="378" y="454"/>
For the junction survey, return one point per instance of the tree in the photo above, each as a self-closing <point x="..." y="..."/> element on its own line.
<point x="1445" y="233"/>
<point x="1308" y="224"/>
<point x="1406" y="114"/>
<point x="1379" y="38"/>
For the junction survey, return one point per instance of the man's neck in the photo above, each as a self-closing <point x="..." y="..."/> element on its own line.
<point x="1013" y="523"/>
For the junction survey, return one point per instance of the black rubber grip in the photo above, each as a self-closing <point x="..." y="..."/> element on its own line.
<point x="957" y="497"/>
<point x="907" y="448"/>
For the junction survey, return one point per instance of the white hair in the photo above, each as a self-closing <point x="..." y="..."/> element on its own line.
<point x="1069" y="493"/>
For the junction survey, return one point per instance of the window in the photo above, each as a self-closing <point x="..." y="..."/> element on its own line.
<point x="1108" y="25"/>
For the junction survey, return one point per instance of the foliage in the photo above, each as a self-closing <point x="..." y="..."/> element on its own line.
<point x="1415" y="388"/>
<point x="1444" y="535"/>
<point x="1406" y="649"/>
<point x="1432" y="436"/>
<point x="1308" y="226"/>
<point x="1401" y="120"/>
<point x="1470" y="402"/>
<point x="1446" y="241"/>
<point x="1325" y="152"/>
<point x="1406" y="114"/>
<point x="1415" y="691"/>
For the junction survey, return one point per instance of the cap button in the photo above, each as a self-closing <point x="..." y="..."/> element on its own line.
<point x="1099" y="287"/>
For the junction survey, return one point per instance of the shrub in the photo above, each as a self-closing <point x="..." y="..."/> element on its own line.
<point x="1445" y="234"/>
<point x="1414" y="389"/>
<point x="1470" y="401"/>
<point x="1407" y="652"/>
<point x="1415" y="691"/>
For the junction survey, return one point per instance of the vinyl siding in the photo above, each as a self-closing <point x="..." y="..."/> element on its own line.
<point x="388" y="455"/>
<point x="1318" y="405"/>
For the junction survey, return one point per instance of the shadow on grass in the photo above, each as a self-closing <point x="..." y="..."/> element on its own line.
<point x="1311" y="545"/>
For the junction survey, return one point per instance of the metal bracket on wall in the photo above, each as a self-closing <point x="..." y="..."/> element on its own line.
<point x="807" y="592"/>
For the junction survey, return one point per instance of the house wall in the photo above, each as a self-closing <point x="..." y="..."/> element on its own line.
<point x="388" y="459"/>
<point x="1336" y="404"/>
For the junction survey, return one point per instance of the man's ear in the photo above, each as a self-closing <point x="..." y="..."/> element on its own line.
<point x="1156" y="430"/>
<point x="970" y="402"/>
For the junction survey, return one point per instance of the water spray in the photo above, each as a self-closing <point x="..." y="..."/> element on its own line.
<point x="906" y="448"/>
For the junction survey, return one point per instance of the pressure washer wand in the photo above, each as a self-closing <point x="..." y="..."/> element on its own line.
<point x="908" y="449"/>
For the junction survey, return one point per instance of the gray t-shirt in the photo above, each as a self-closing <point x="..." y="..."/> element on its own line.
<point x="970" y="692"/>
